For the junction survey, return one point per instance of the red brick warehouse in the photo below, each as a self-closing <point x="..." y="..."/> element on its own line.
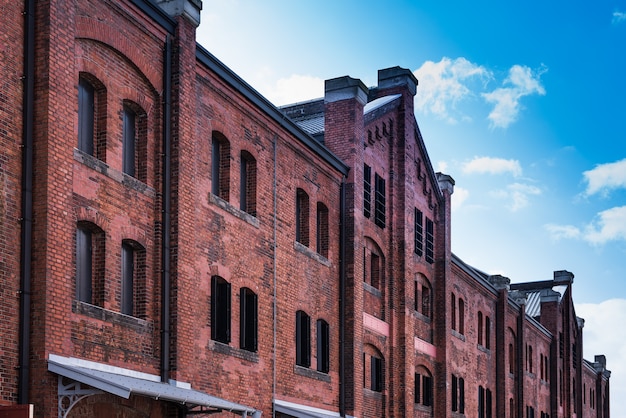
<point x="173" y="244"/>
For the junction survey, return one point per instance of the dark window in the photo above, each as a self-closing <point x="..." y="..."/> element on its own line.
<point x="322" y="229"/>
<point x="427" y="384"/>
<point x="220" y="310"/>
<point x="133" y="279"/>
<point x="379" y="201"/>
<point x="86" y="116"/>
<point x="455" y="393"/>
<point x="248" y="319"/>
<point x="430" y="241"/>
<point x="247" y="192"/>
<point x="481" y="402"/>
<point x="425" y="300"/>
<point x="461" y="316"/>
<point x="419" y="232"/>
<point x="367" y="191"/>
<point x="453" y="311"/>
<point x="375" y="270"/>
<point x="129" y="141"/>
<point x="377" y="374"/>
<point x="487" y="332"/>
<point x="90" y="254"/>
<point x="323" y="346"/>
<point x="302" y="217"/>
<point x="488" y="404"/>
<point x="418" y="388"/>
<point x="511" y="358"/>
<point x="220" y="173"/>
<point x="461" y="395"/>
<point x="303" y="339"/>
<point x="480" y="328"/>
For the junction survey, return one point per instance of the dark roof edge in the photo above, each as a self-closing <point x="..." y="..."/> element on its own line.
<point x="226" y="74"/>
<point x="157" y="14"/>
<point x="543" y="284"/>
<point x="478" y="275"/>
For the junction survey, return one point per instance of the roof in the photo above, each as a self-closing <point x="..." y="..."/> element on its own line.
<point x="302" y="411"/>
<point x="378" y="103"/>
<point x="124" y="382"/>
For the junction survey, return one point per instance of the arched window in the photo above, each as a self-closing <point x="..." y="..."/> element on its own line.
<point x="134" y="141"/>
<point x="90" y="267"/>
<point x="487" y="332"/>
<point x="423" y="386"/>
<point x="323" y="346"/>
<point x="220" y="166"/>
<point x="461" y="316"/>
<point x="133" y="289"/>
<point x="247" y="190"/>
<point x="322" y="229"/>
<point x="302" y="217"/>
<point x="303" y="339"/>
<point x="92" y="111"/>
<point x="248" y="320"/>
<point x="373" y="368"/>
<point x="220" y="310"/>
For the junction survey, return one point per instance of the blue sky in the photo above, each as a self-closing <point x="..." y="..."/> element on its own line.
<point x="522" y="103"/>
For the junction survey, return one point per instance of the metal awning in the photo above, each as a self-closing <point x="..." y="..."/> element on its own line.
<point x="302" y="411"/>
<point x="106" y="379"/>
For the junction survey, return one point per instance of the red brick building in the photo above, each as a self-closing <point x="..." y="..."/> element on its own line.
<point x="173" y="244"/>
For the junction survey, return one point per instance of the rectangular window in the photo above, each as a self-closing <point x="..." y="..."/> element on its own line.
<point x="323" y="346"/>
<point x="487" y="333"/>
<point x="379" y="201"/>
<point x="426" y="301"/>
<point x="303" y="339"/>
<point x="461" y="395"/>
<point x="367" y="191"/>
<point x="247" y="191"/>
<point x="377" y="374"/>
<point x="248" y="320"/>
<point x="481" y="402"/>
<point x="419" y="232"/>
<point x="220" y="166"/>
<point x="129" y="141"/>
<point x="488" y="405"/>
<point x="86" y="116"/>
<point x="430" y="241"/>
<point x="375" y="270"/>
<point x="220" y="310"/>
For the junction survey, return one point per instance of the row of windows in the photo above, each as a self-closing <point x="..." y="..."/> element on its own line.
<point x="457" y="316"/>
<point x="90" y="270"/>
<point x="303" y="342"/>
<point x="92" y="112"/>
<point x="530" y="413"/>
<point x="221" y="314"/>
<point x="484" y="338"/>
<point x="379" y="196"/>
<point x="424" y="243"/>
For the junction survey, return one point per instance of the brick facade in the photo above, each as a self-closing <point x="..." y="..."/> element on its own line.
<point x="294" y="261"/>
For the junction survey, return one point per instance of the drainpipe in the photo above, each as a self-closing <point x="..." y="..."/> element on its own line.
<point x="166" y="215"/>
<point x="275" y="278"/>
<point x="342" y="298"/>
<point x="27" y="201"/>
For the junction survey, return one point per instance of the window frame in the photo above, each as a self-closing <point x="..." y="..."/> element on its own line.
<point x="220" y="310"/>
<point x="248" y="320"/>
<point x="303" y="339"/>
<point x="323" y="346"/>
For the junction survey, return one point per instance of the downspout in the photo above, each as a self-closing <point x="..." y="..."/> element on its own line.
<point x="274" y="310"/>
<point x="27" y="202"/>
<point x="166" y="215"/>
<point x="342" y="297"/>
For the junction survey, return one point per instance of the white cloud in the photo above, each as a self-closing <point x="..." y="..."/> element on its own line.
<point x="618" y="17"/>
<point x="609" y="225"/>
<point x="601" y="336"/>
<point x="519" y="195"/>
<point x="295" y="88"/>
<point x="605" y="177"/>
<point x="521" y="82"/>
<point x="558" y="232"/>
<point x="490" y="165"/>
<point x="443" y="84"/>
<point x="459" y="197"/>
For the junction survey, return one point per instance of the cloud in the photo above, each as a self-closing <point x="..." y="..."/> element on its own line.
<point x="459" y="197"/>
<point x="518" y="195"/>
<point x="601" y="336"/>
<point x="521" y="82"/>
<point x="443" y="84"/>
<point x="605" y="177"/>
<point x="618" y="17"/>
<point x="608" y="225"/>
<point x="558" y="232"/>
<point x="491" y="165"/>
<point x="293" y="89"/>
